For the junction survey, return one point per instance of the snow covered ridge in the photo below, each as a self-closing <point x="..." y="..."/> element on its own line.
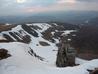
<point x="25" y="32"/>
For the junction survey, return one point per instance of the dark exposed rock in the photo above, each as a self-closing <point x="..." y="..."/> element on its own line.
<point x="9" y="39"/>
<point x="30" y="30"/>
<point x="44" y="43"/>
<point x="94" y="71"/>
<point x="26" y="39"/>
<point x="32" y="53"/>
<point x="1" y="41"/>
<point x="4" y="54"/>
<point x="35" y="27"/>
<point x="66" y="54"/>
<point x="47" y="35"/>
<point x="15" y="36"/>
<point x="57" y="29"/>
<point x="20" y="38"/>
<point x="57" y="34"/>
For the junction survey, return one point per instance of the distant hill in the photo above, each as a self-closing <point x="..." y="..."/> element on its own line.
<point x="73" y="17"/>
<point x="93" y="21"/>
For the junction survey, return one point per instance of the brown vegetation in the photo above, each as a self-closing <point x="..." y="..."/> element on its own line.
<point x="6" y="27"/>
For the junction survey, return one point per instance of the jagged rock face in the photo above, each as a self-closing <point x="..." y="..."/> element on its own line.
<point x="66" y="54"/>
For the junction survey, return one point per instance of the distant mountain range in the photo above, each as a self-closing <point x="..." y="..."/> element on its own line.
<point x="73" y="17"/>
<point x="93" y="21"/>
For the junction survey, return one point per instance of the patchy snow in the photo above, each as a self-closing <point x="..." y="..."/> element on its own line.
<point x="7" y="24"/>
<point x="68" y="32"/>
<point x="52" y="33"/>
<point x="17" y="28"/>
<point x="43" y="26"/>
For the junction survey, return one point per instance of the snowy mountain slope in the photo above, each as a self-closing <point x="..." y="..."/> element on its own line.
<point x="29" y="56"/>
<point x="20" y="60"/>
<point x="23" y="63"/>
<point x="34" y="35"/>
<point x="37" y="33"/>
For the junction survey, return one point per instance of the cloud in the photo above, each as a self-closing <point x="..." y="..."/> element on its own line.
<point x="66" y="1"/>
<point x="63" y="7"/>
<point x="38" y="9"/>
<point x="11" y="7"/>
<point x="88" y="0"/>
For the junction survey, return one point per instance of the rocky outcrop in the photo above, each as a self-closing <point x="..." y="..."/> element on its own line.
<point x="44" y="43"/>
<point x="66" y="54"/>
<point x="32" y="53"/>
<point x="95" y="72"/>
<point x="30" y="30"/>
<point x="4" y="54"/>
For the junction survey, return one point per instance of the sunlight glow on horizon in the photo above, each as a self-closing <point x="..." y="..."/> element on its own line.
<point x="20" y="1"/>
<point x="67" y="1"/>
<point x="59" y="5"/>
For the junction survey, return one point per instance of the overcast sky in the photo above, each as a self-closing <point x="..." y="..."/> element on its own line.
<point x="15" y="7"/>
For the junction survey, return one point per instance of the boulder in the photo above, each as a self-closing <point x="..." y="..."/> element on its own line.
<point x="4" y="54"/>
<point x="44" y="43"/>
